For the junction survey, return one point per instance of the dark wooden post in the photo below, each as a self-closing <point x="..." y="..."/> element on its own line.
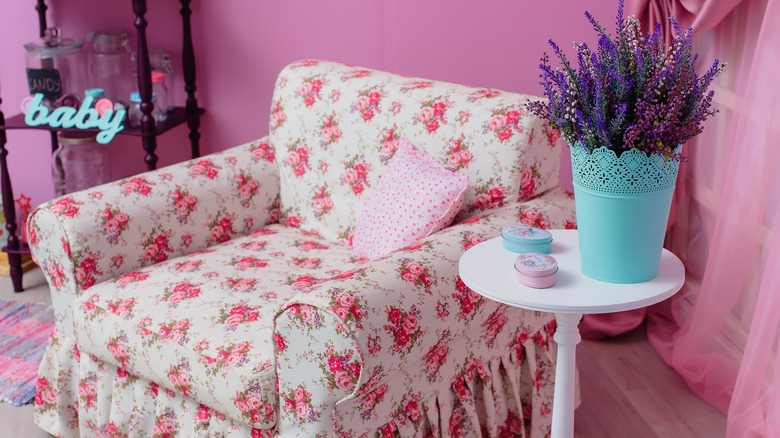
<point x="188" y="63"/>
<point x="14" y="257"/>
<point x="145" y="86"/>
<point x="41" y="8"/>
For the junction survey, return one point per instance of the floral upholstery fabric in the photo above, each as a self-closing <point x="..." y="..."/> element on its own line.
<point x="185" y="308"/>
<point x="336" y="127"/>
<point x="88" y="237"/>
<point x="413" y="353"/>
<point x="80" y="395"/>
<point x="202" y="324"/>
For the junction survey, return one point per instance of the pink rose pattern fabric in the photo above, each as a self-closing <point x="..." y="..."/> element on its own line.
<point x="391" y="336"/>
<point x="193" y="324"/>
<point x="184" y="307"/>
<point x="338" y="126"/>
<point x="432" y="354"/>
<point x="85" y="396"/>
<point x="416" y="197"/>
<point x="89" y="237"/>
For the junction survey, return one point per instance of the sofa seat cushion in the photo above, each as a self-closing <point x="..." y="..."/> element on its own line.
<point x="202" y="324"/>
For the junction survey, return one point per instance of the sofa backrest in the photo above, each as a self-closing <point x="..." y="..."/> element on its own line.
<point x="335" y="127"/>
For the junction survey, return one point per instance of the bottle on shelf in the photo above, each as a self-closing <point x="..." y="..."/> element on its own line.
<point x="161" y="91"/>
<point x="134" y="114"/>
<point x="109" y="63"/>
<point x="80" y="162"/>
<point x="160" y="61"/>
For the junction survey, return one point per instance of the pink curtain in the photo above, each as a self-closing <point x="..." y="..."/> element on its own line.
<point x="702" y="15"/>
<point x="727" y="223"/>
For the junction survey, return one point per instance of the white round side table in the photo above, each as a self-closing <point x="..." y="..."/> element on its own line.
<point x="488" y="269"/>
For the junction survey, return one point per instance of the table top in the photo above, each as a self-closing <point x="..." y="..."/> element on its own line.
<point x="488" y="269"/>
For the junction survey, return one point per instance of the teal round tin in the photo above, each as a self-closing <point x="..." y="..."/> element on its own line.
<point x="522" y="239"/>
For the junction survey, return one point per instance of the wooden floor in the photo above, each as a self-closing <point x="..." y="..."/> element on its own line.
<point x="627" y="389"/>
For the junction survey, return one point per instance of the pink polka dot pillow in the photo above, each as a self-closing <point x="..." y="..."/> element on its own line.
<point x="415" y="197"/>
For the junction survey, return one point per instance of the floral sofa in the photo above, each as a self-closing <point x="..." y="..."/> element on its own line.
<point x="221" y="297"/>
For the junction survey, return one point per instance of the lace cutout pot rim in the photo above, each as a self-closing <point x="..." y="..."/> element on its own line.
<point x="632" y="173"/>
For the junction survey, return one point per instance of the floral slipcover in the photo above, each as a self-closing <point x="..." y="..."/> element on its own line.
<point x="335" y="128"/>
<point x="220" y="297"/>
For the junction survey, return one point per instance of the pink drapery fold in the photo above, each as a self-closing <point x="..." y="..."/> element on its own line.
<point x="754" y="409"/>
<point x="689" y="337"/>
<point x="729" y="261"/>
<point x="755" y="404"/>
<point x="701" y="15"/>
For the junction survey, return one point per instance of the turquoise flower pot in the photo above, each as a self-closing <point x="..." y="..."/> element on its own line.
<point x="622" y="210"/>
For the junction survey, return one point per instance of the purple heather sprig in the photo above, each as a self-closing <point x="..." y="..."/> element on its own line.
<point x="629" y="92"/>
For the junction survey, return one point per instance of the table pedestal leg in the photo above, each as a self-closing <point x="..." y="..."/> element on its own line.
<point x="567" y="336"/>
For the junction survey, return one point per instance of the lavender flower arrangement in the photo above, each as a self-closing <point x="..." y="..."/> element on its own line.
<point x="631" y="92"/>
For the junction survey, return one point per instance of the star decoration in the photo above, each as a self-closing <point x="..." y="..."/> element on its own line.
<point x="24" y="204"/>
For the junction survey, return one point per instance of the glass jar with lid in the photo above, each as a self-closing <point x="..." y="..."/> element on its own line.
<point x="134" y="113"/>
<point x="109" y="64"/>
<point x="55" y="68"/>
<point x="80" y="162"/>
<point x="161" y="91"/>
<point x="160" y="61"/>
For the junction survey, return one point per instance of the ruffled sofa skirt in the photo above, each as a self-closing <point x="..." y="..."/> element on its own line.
<point x="80" y="395"/>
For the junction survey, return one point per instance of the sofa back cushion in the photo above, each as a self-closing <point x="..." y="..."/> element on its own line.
<point x="335" y="128"/>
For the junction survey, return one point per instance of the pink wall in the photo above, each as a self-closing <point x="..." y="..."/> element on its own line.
<point x="241" y="45"/>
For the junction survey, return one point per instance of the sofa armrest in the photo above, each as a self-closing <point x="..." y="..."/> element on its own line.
<point x="399" y="324"/>
<point x="102" y="233"/>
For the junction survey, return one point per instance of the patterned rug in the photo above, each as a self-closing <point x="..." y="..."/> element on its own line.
<point x="24" y="331"/>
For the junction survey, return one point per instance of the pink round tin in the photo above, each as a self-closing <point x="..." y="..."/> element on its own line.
<point x="536" y="270"/>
